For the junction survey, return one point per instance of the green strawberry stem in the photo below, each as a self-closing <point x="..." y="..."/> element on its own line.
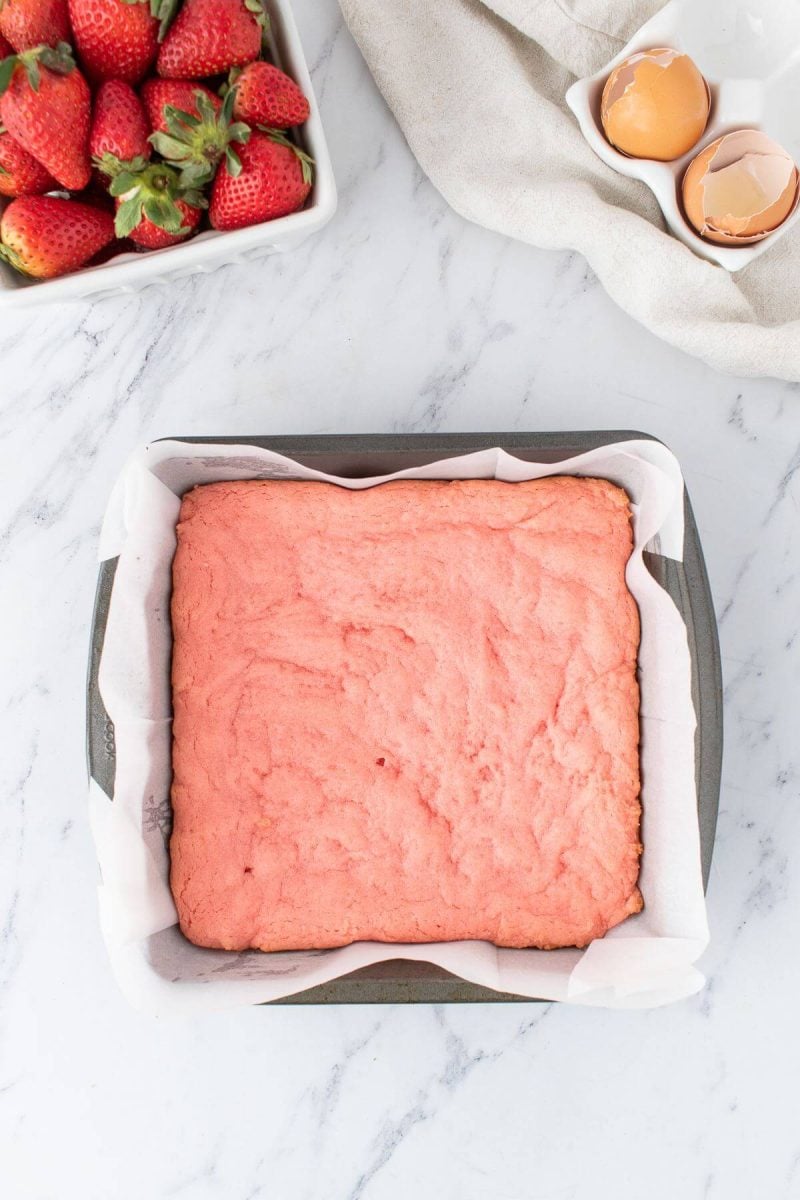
<point x="196" y="144"/>
<point x="150" y="190"/>
<point x="306" y="161"/>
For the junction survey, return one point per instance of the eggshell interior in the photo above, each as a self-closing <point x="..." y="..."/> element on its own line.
<point x="740" y="188"/>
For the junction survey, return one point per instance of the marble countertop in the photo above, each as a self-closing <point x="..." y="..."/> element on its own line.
<point x="399" y="317"/>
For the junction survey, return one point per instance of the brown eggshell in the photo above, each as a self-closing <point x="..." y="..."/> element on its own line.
<point x="655" y="105"/>
<point x="740" y="188"/>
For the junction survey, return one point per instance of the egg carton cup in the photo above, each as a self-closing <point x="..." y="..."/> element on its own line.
<point x="762" y="37"/>
<point x="127" y="273"/>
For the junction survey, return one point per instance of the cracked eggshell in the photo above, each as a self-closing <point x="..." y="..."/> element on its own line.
<point x="740" y="188"/>
<point x="655" y="105"/>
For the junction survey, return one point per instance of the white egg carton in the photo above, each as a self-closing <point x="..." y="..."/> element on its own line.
<point x="211" y="249"/>
<point x="749" y="52"/>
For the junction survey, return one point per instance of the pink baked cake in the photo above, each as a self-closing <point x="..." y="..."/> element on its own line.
<point x="404" y="714"/>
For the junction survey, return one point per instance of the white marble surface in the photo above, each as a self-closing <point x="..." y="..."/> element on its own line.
<point x="399" y="317"/>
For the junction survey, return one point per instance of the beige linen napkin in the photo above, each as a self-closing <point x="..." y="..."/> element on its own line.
<point x="478" y="90"/>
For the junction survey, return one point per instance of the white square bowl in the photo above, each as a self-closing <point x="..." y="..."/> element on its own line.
<point x="210" y="249"/>
<point x="713" y="39"/>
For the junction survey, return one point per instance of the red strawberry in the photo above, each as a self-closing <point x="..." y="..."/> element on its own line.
<point x="29" y="23"/>
<point x="119" y="123"/>
<point x="116" y="39"/>
<point x="209" y="36"/>
<point x="266" y="96"/>
<point x="153" y="210"/>
<point x="45" y="106"/>
<point x="20" y="173"/>
<point x="43" y="236"/>
<point x="177" y="93"/>
<point x="5" y="47"/>
<point x="275" y="180"/>
<point x="149" y="236"/>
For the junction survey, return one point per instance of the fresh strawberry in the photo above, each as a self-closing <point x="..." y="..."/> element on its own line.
<point x="274" y="181"/>
<point x="149" y="236"/>
<point x="29" y="23"/>
<point x="267" y="96"/>
<point x="43" y="236"/>
<point x="119" y="123"/>
<point x="45" y="106"/>
<point x="153" y="210"/>
<point x="158" y="94"/>
<point x="5" y="47"/>
<point x="210" y="36"/>
<point x="117" y="39"/>
<point x="195" y="144"/>
<point x="20" y="173"/>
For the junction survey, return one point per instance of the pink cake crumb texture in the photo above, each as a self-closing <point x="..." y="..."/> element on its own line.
<point x="404" y="714"/>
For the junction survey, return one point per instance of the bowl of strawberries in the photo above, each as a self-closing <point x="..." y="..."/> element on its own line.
<point x="144" y="139"/>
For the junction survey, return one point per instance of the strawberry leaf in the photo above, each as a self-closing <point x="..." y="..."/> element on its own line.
<point x="257" y="9"/>
<point x="7" y="68"/>
<point x="29" y="62"/>
<point x="226" y="112"/>
<point x="306" y="161"/>
<point x="177" y="117"/>
<point x="129" y="214"/>
<point x="123" y="183"/>
<point x="126" y="172"/>
<point x="167" y="146"/>
<point x="230" y="82"/>
<point x="164" y="213"/>
<point x="233" y="163"/>
<point x="195" y="199"/>
<point x="106" y="163"/>
<point x="195" y="175"/>
<point x="164" y="12"/>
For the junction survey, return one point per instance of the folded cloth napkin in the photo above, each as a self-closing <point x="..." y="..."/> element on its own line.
<point x="478" y="90"/>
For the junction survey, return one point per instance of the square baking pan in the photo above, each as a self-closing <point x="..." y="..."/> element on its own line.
<point x="400" y="981"/>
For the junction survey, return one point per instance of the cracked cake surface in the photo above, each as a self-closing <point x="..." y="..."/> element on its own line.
<point x="404" y="714"/>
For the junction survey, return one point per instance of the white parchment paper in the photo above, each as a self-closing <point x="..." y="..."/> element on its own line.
<point x="646" y="961"/>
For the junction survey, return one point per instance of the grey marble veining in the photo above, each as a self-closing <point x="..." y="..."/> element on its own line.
<point x="400" y="316"/>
